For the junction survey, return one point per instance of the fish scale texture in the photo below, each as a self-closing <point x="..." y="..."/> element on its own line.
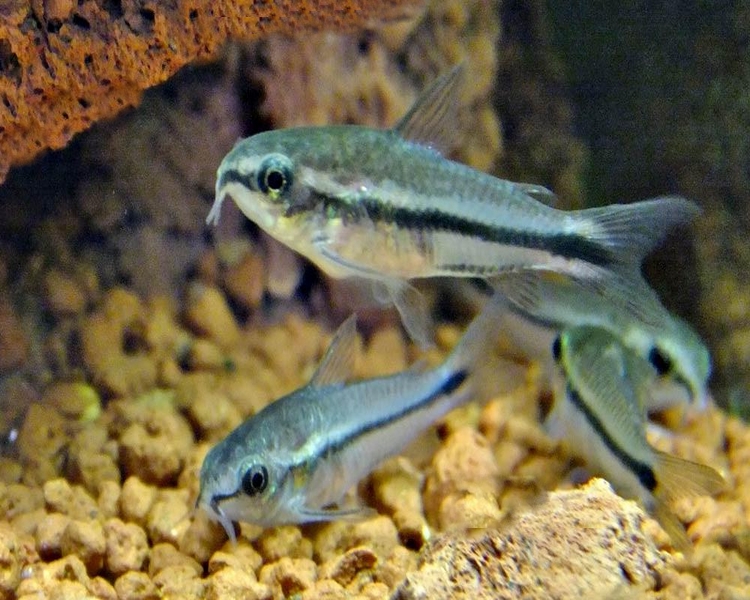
<point x="65" y="65"/>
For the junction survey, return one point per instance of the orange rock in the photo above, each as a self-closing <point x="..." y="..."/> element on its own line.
<point x="66" y="65"/>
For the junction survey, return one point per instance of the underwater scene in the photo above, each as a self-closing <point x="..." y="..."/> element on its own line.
<point x="406" y="299"/>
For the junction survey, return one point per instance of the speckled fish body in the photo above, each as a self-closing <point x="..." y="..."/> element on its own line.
<point x="599" y="410"/>
<point x="300" y="454"/>
<point x="540" y="306"/>
<point x="385" y="205"/>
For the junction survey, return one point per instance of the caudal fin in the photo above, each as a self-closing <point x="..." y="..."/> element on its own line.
<point x="628" y="233"/>
<point x="631" y="231"/>
<point x="676" y="478"/>
<point x="476" y="354"/>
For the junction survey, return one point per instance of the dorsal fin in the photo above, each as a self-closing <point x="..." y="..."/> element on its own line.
<point x="431" y="120"/>
<point x="338" y="363"/>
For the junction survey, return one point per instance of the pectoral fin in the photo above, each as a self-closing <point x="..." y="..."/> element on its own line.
<point x="409" y="302"/>
<point x="412" y="307"/>
<point x="356" y="513"/>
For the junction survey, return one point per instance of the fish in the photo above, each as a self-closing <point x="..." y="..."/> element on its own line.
<point x="295" y="459"/>
<point x="598" y="410"/>
<point x="549" y="304"/>
<point x="387" y="206"/>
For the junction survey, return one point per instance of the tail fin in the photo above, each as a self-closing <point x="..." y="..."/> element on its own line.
<point x="676" y="478"/>
<point x="672" y="525"/>
<point x="476" y="354"/>
<point x="631" y="231"/>
<point x="628" y="233"/>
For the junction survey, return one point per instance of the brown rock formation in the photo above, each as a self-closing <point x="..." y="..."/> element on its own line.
<point x="64" y="65"/>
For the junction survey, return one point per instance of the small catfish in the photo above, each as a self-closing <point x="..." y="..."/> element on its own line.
<point x="599" y="410"/>
<point x="550" y="304"/>
<point x="296" y="458"/>
<point x="388" y="207"/>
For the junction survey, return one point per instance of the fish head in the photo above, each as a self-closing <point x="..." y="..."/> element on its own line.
<point x="680" y="358"/>
<point x="259" y="178"/>
<point x="287" y="180"/>
<point x="252" y="488"/>
<point x="683" y="356"/>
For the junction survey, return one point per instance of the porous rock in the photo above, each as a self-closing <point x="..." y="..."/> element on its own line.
<point x="65" y="65"/>
<point x="578" y="544"/>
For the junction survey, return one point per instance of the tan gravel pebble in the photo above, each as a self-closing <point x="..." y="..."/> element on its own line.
<point x="85" y="539"/>
<point x="288" y="576"/>
<point x="202" y="538"/>
<point x="335" y="538"/>
<point x="344" y="568"/>
<point x="41" y="439"/>
<point x="16" y="499"/>
<point x="156" y="449"/>
<point x="136" y="500"/>
<point x="163" y="556"/>
<point x="27" y="523"/>
<point x="241" y="556"/>
<point x="102" y="589"/>
<point x="722" y="571"/>
<point x="326" y="589"/>
<point x="464" y="463"/>
<point x="245" y="280"/>
<point x="11" y="561"/>
<point x="373" y="591"/>
<point x="205" y="355"/>
<point x="392" y="571"/>
<point x="208" y="313"/>
<point x="214" y="414"/>
<point x="463" y="510"/>
<point x="71" y="500"/>
<point x="127" y="546"/>
<point x="63" y="294"/>
<point x="92" y="459"/>
<point x="109" y="498"/>
<point x="235" y="584"/>
<point x="681" y="586"/>
<point x="45" y="578"/>
<point x="49" y="535"/>
<point x="181" y="583"/>
<point x="135" y="585"/>
<point x="279" y="542"/>
<point x="169" y="517"/>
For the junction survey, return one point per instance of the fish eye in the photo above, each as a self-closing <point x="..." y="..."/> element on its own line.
<point x="255" y="480"/>
<point x="659" y="361"/>
<point x="275" y="175"/>
<point x="556" y="349"/>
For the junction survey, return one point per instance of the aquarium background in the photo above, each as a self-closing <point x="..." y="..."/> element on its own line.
<point x="133" y="336"/>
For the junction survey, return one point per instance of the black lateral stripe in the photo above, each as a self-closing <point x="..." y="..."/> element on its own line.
<point x="563" y="244"/>
<point x="643" y="472"/>
<point x="234" y="176"/>
<point x="450" y="385"/>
